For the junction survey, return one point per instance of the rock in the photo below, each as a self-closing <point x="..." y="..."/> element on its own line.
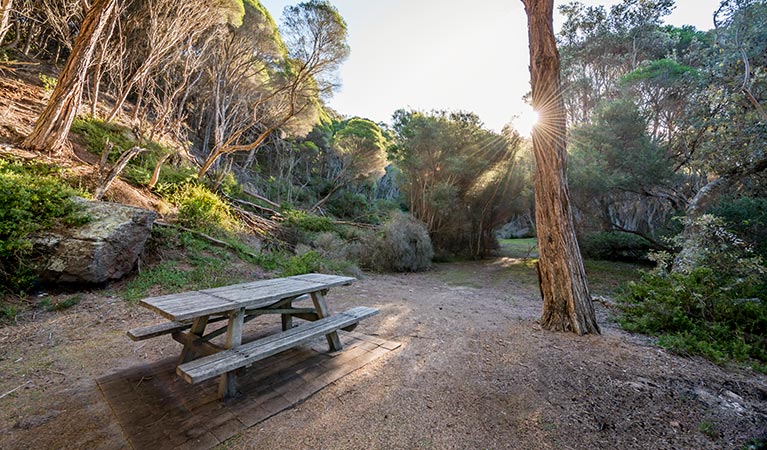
<point x="106" y="248"/>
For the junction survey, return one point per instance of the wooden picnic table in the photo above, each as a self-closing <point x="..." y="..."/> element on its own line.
<point x="190" y="313"/>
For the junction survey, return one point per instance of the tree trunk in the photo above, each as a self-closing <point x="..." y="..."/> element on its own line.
<point x="53" y="125"/>
<point x="566" y="300"/>
<point x="5" y="18"/>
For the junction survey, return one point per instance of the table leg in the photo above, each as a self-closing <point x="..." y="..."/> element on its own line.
<point x="287" y="319"/>
<point x="197" y="330"/>
<point x="322" y="311"/>
<point x="227" y="386"/>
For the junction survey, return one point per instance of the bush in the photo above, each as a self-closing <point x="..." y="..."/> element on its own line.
<point x="406" y="246"/>
<point x="32" y="198"/>
<point x="702" y="312"/>
<point x="350" y="206"/>
<point x="307" y="222"/>
<point x="201" y="209"/>
<point x="614" y="246"/>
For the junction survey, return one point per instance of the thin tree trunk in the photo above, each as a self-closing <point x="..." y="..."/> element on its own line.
<point x="567" y="303"/>
<point x="52" y="127"/>
<point x="5" y="18"/>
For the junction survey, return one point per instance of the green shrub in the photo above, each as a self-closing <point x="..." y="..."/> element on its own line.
<point x="49" y="83"/>
<point x="61" y="305"/>
<point x="32" y="198"/>
<point x="307" y="222"/>
<point x="201" y="209"/>
<point x="8" y="312"/>
<point x="702" y="312"/>
<point x="188" y="263"/>
<point x="304" y="262"/>
<point x="614" y="246"/>
<point x="406" y="246"/>
<point x="349" y="205"/>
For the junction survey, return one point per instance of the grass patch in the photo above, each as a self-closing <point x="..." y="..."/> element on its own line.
<point x="198" y="266"/>
<point x="95" y="134"/>
<point x="519" y="248"/>
<point x="61" y="305"/>
<point x="610" y="277"/>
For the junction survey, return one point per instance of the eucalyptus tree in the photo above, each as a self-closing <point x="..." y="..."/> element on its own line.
<point x="153" y="35"/>
<point x="315" y="37"/>
<point x="454" y="174"/>
<point x="600" y="45"/>
<point x="567" y="304"/>
<point x="358" y="152"/>
<point x="52" y="127"/>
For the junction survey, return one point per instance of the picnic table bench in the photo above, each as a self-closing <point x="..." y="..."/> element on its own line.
<point x="190" y="313"/>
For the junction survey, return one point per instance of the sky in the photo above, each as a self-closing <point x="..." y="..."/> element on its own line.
<point x="447" y="54"/>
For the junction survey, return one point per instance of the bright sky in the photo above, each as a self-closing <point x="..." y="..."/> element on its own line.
<point x="447" y="54"/>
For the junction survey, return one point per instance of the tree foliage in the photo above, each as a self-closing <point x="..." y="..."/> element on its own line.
<point x="457" y="177"/>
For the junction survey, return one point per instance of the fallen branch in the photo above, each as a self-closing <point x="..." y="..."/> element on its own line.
<point x="252" y="205"/>
<point x="15" y="389"/>
<point x="115" y="171"/>
<point x="367" y="226"/>
<point x="211" y="239"/>
<point x="260" y="197"/>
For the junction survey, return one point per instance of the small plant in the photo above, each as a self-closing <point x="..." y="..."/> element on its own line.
<point x="709" y="429"/>
<point x="203" y="266"/>
<point x="49" y="83"/>
<point x="61" y="305"/>
<point x="8" y="312"/>
<point x="307" y="261"/>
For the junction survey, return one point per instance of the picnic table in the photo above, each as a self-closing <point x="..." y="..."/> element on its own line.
<point x="189" y="314"/>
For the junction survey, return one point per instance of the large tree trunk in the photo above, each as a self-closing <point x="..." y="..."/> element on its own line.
<point x="53" y="125"/>
<point x="566" y="300"/>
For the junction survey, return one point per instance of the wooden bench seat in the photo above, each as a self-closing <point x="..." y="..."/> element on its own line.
<point x="223" y="362"/>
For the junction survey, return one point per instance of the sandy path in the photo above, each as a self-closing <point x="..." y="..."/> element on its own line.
<point x="475" y="371"/>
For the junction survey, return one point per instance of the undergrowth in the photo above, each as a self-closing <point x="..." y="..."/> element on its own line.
<point x="198" y="265"/>
<point x="32" y="199"/>
<point x="699" y="313"/>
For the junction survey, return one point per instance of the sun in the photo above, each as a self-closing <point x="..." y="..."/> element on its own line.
<point x="525" y="120"/>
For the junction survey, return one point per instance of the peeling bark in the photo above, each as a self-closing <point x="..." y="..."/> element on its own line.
<point x="567" y="303"/>
<point x="52" y="127"/>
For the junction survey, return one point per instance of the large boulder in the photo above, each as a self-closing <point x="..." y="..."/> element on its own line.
<point x="106" y="248"/>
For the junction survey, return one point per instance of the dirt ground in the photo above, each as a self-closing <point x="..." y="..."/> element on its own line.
<point x="475" y="371"/>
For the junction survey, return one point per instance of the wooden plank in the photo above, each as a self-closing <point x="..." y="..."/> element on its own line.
<point x="322" y="310"/>
<point x="139" y="334"/>
<point x="287" y="319"/>
<point x="227" y="387"/>
<point x="328" y="280"/>
<point x="211" y="366"/>
<point x="197" y="330"/>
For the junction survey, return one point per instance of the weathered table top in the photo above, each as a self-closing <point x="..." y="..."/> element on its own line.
<point x="255" y="294"/>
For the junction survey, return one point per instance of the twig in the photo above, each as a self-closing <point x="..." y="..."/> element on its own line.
<point x="210" y="239"/>
<point x="15" y="389"/>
